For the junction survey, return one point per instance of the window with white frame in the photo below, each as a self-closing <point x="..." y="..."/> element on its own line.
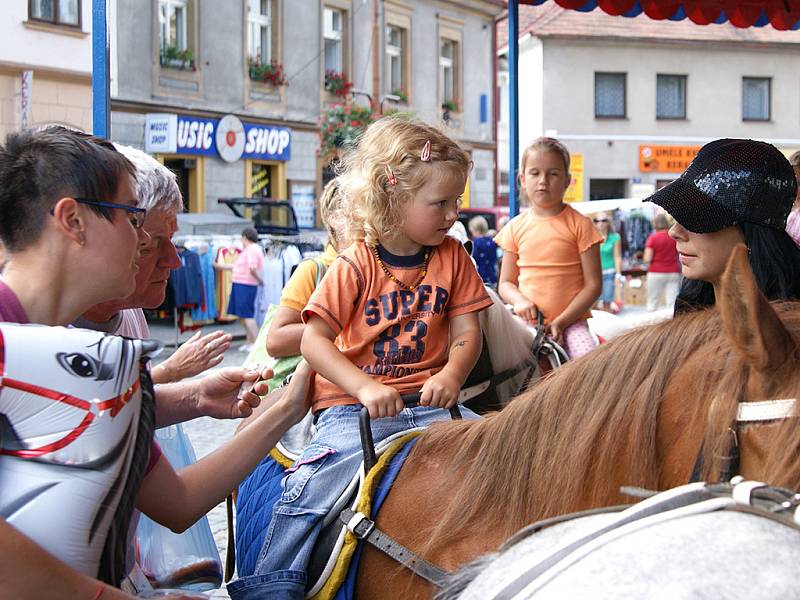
<point x="395" y="61"/>
<point x="333" y="28"/>
<point x="609" y="95"/>
<point x="173" y="17"/>
<point x="756" y="98"/>
<point x="259" y="31"/>
<point x="448" y="73"/>
<point x="58" y="12"/>
<point x="670" y="96"/>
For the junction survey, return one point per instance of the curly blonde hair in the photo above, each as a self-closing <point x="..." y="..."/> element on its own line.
<point x="372" y="206"/>
<point x="330" y="212"/>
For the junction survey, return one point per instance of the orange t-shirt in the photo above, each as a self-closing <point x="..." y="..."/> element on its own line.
<point x="398" y="336"/>
<point x="549" y="256"/>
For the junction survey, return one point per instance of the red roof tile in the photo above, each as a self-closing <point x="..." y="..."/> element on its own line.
<point x="549" y="19"/>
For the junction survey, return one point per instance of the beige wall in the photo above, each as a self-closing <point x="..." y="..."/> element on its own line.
<point x="54" y="100"/>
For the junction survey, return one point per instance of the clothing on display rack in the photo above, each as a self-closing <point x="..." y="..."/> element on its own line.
<point x="633" y="227"/>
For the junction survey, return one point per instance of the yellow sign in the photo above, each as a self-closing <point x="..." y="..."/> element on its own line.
<point x="574" y="192"/>
<point x="465" y="196"/>
<point x="666" y="159"/>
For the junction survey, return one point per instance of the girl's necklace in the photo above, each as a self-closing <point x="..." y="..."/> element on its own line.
<point x="389" y="274"/>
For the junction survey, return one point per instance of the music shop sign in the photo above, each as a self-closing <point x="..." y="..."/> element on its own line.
<point x="228" y="138"/>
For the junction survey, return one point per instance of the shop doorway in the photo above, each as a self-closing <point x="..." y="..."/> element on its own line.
<point x="606" y="189"/>
<point x="189" y="175"/>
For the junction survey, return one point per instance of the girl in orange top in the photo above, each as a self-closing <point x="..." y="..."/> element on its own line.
<point x="551" y="253"/>
<point x="397" y="312"/>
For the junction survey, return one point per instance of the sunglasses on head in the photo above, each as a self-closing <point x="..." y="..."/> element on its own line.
<point x="600" y="220"/>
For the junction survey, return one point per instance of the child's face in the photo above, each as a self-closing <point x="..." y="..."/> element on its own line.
<point x="433" y="210"/>
<point x="545" y="180"/>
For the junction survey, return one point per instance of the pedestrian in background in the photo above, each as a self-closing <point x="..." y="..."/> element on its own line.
<point x="663" y="267"/>
<point x="610" y="260"/>
<point x="246" y="279"/>
<point x="484" y="250"/>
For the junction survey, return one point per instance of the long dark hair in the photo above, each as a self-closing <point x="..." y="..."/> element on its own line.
<point x="774" y="258"/>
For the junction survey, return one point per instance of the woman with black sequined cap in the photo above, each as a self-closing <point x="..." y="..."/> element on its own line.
<point x="734" y="191"/>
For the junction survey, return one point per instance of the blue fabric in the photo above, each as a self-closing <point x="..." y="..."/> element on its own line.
<point x="209" y="313"/>
<point x="242" y="302"/>
<point x="348" y="589"/>
<point x="186" y="282"/>
<point x="484" y="251"/>
<point x="254" y="503"/>
<point x="608" y="287"/>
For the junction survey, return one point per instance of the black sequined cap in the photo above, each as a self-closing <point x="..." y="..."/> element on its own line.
<point x="730" y="181"/>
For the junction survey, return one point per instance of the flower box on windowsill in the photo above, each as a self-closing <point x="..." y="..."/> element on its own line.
<point x="271" y="74"/>
<point x="172" y="58"/>
<point x="337" y="84"/>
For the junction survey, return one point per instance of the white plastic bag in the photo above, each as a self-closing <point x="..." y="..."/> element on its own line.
<point x="188" y="560"/>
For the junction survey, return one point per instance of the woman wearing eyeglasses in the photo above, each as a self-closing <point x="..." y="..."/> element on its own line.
<point x="610" y="260"/>
<point x="663" y="267"/>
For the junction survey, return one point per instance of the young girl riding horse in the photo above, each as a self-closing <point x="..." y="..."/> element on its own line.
<point x="403" y="301"/>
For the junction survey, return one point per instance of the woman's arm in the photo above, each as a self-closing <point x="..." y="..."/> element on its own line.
<point x="285" y="333"/>
<point x="648" y="256"/>
<point x="618" y="257"/>
<point x="178" y="500"/>
<point x="592" y="286"/>
<point x="508" y="290"/>
<point x="326" y="359"/>
<point x="255" y="272"/>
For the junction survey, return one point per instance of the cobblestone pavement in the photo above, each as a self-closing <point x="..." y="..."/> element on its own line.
<point x="206" y="435"/>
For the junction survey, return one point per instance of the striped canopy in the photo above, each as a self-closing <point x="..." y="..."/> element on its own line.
<point x="781" y="14"/>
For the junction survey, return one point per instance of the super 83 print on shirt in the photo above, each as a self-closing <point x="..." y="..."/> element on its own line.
<point x="399" y="336"/>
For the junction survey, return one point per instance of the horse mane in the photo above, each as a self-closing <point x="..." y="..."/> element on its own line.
<point x="549" y="451"/>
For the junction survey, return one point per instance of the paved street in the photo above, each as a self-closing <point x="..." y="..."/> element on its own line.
<point x="207" y="434"/>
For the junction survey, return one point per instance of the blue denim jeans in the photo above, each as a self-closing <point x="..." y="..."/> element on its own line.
<point x="309" y="491"/>
<point x="608" y="286"/>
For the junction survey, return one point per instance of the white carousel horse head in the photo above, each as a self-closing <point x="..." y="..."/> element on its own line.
<point x="70" y="408"/>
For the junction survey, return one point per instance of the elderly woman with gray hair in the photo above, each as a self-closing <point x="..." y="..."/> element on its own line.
<point x="157" y="192"/>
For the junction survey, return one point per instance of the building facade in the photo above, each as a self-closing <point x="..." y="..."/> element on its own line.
<point x="45" y="64"/>
<point x="230" y="94"/>
<point x="634" y="99"/>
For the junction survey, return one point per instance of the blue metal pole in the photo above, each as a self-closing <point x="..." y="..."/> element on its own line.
<point x="101" y="112"/>
<point x="513" y="105"/>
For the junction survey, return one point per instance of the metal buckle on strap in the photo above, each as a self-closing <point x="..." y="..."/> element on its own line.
<point x="360" y="526"/>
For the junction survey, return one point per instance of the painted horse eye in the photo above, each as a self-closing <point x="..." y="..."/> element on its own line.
<point x="77" y="364"/>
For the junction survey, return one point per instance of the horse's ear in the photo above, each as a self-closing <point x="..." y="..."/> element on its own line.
<point x="749" y="319"/>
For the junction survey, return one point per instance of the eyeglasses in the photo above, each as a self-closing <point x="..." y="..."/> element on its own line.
<point x="600" y="220"/>
<point x="135" y="215"/>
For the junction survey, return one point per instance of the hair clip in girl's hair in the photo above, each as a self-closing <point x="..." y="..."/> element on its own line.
<point x="390" y="178"/>
<point x="425" y="155"/>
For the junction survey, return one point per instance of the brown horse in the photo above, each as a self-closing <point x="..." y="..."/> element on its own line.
<point x="634" y="412"/>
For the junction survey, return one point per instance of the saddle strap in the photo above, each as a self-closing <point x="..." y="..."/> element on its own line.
<point x="230" y="551"/>
<point x="364" y="529"/>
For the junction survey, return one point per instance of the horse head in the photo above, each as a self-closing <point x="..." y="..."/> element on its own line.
<point x="58" y="382"/>
<point x="764" y="337"/>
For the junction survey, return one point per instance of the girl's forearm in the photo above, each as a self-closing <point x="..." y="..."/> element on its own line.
<point x="510" y="293"/>
<point x="579" y="306"/>
<point x="327" y="360"/>
<point x="285" y="340"/>
<point x="464" y="353"/>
